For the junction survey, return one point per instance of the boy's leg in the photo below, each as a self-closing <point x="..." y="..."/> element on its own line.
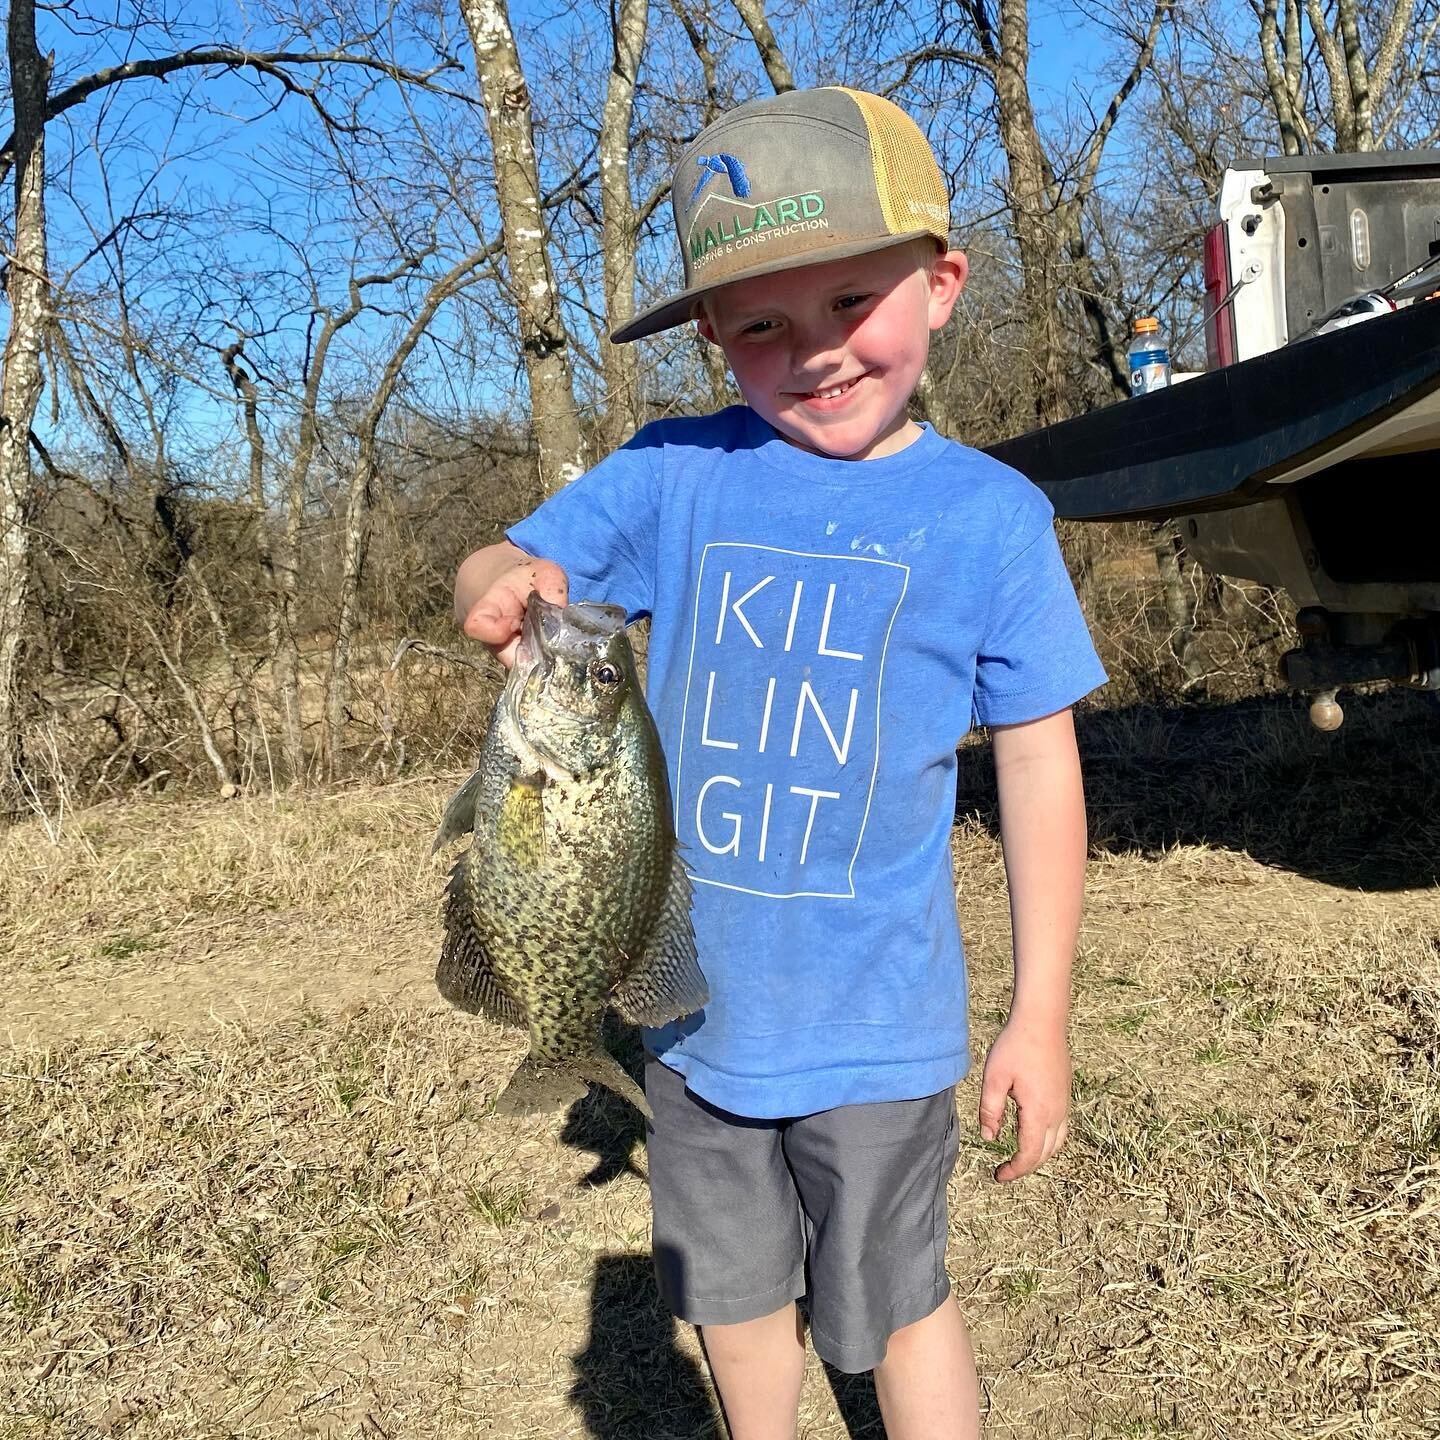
<point x="926" y="1384"/>
<point x="729" y="1250"/>
<point x="758" y="1367"/>
<point x="873" y="1180"/>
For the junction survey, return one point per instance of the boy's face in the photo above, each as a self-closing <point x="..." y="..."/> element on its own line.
<point x="830" y="353"/>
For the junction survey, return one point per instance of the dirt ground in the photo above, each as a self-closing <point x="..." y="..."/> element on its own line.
<point x="250" y="1185"/>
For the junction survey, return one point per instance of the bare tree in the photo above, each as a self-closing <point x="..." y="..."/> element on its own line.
<point x="1047" y="202"/>
<point x="360" y="498"/>
<point x="28" y="288"/>
<point x="620" y="224"/>
<point x="1368" y="85"/>
<point x="1283" y="57"/>
<point x="28" y="282"/>
<point x="543" y="337"/>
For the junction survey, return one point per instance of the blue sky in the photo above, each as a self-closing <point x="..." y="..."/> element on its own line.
<point x="244" y="187"/>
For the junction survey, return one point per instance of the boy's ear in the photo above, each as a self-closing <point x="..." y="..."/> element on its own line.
<point x="702" y="324"/>
<point x="947" y="280"/>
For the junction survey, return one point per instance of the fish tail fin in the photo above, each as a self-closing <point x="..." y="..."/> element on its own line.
<point x="602" y="1067"/>
<point x="539" y="1085"/>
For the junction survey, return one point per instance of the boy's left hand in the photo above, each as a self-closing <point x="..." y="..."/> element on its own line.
<point x="1033" y="1066"/>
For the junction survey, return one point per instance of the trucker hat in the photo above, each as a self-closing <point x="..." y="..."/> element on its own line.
<point x="796" y="179"/>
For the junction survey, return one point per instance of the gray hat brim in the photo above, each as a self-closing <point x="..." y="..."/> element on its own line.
<point x="677" y="309"/>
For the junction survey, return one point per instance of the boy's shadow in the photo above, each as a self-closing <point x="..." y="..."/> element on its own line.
<point x="609" y="1126"/>
<point x="1358" y="808"/>
<point x="633" y="1382"/>
<point x="856" y="1402"/>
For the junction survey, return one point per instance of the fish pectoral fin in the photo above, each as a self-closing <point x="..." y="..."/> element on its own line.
<point x="465" y="976"/>
<point x="668" y="982"/>
<point x="459" y="816"/>
<point x="520" y="825"/>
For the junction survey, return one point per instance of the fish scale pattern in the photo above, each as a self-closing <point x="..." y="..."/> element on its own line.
<point x="571" y="896"/>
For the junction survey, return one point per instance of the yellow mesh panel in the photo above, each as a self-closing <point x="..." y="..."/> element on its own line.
<point x="912" y="190"/>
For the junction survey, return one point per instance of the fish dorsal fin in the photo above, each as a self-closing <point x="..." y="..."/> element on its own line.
<point x="465" y="976"/>
<point x="668" y="982"/>
<point x="459" y="816"/>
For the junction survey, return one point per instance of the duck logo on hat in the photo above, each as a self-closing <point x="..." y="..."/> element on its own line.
<point x="726" y="165"/>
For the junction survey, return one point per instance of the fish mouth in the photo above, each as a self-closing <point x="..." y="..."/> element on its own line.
<point x="549" y="632"/>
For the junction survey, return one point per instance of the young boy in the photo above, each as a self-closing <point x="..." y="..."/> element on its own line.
<point x="835" y="592"/>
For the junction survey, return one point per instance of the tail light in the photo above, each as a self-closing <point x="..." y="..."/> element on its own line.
<point x="1219" y="308"/>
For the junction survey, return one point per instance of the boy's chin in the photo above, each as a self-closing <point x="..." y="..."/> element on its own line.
<point x="846" y="442"/>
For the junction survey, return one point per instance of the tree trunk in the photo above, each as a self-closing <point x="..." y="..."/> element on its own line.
<point x="1108" y="345"/>
<point x="1046" y="223"/>
<point x="752" y="12"/>
<point x="28" y="288"/>
<point x="188" y="694"/>
<point x="506" y="99"/>
<point x="1032" y="211"/>
<point x="1282" y="71"/>
<point x="352" y="566"/>
<point x="712" y="360"/>
<point x="1178" y="608"/>
<point x="286" y="552"/>
<point x="623" y="403"/>
<point x="361" y="497"/>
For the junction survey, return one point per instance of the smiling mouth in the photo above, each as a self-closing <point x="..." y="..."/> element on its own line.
<point x="830" y="392"/>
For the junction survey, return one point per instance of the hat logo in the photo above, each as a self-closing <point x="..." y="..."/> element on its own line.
<point x="726" y="165"/>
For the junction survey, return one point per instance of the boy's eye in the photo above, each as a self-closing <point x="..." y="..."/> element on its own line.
<point x="759" y="327"/>
<point x="849" y="302"/>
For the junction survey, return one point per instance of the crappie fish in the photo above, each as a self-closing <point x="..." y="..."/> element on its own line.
<point x="571" y="897"/>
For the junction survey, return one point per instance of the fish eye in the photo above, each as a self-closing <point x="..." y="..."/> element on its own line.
<point x="605" y="675"/>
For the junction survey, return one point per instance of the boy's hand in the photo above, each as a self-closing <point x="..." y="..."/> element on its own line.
<point x="1033" y="1065"/>
<point x="496" y="616"/>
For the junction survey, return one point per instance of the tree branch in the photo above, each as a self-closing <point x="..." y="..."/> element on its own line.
<point x="1090" y="162"/>
<point x="913" y="60"/>
<point x="231" y="57"/>
<point x="752" y="12"/>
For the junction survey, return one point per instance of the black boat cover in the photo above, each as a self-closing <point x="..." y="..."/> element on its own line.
<point x="1218" y="440"/>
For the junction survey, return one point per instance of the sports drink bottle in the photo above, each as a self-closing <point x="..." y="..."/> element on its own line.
<point x="1149" y="357"/>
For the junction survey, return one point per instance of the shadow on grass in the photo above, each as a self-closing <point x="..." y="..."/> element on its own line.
<point x="633" y="1382"/>
<point x="1359" y="807"/>
<point x="603" y="1123"/>
<point x="856" y="1402"/>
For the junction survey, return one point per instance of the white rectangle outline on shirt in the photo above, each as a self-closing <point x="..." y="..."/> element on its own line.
<point x="879" y="687"/>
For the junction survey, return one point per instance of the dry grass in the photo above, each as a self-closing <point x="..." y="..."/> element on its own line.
<point x="305" y="1221"/>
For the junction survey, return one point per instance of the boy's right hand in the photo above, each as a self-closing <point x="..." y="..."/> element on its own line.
<point x="496" y="616"/>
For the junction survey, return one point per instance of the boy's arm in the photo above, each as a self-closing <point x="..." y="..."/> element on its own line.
<point x="1042" y="830"/>
<point x="491" y="589"/>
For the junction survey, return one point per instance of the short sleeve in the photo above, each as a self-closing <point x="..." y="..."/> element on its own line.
<point x="602" y="528"/>
<point x="1036" y="656"/>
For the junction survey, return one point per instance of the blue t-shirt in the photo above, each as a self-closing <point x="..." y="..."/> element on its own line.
<point x="823" y="633"/>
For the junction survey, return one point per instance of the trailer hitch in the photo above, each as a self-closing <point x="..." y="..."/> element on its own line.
<point x="1408" y="652"/>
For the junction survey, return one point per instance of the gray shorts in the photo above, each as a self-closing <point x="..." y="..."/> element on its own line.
<point x="844" y="1209"/>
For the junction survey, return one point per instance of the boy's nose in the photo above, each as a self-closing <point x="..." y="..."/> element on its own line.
<point x="814" y="350"/>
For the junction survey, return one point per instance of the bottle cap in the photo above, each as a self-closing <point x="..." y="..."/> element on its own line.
<point x="1146" y="325"/>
